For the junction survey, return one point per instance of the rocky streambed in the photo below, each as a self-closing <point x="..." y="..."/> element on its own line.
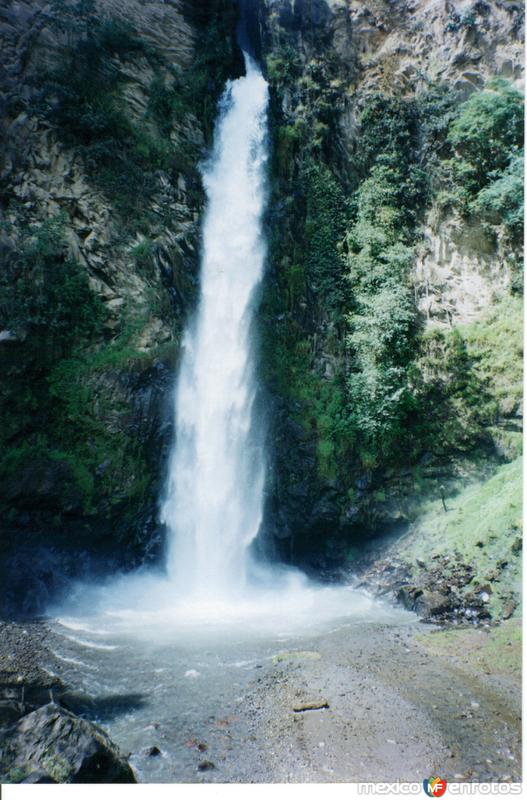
<point x="42" y="739"/>
<point x="381" y="698"/>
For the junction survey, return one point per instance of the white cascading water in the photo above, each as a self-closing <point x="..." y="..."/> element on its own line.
<point x="213" y="504"/>
<point x="214" y="497"/>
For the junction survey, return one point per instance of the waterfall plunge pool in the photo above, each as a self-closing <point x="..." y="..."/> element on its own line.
<point x="184" y="676"/>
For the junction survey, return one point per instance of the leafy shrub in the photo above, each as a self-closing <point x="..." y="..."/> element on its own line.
<point x="382" y="322"/>
<point x="486" y="133"/>
<point x="283" y="65"/>
<point x="388" y="130"/>
<point x="502" y="200"/>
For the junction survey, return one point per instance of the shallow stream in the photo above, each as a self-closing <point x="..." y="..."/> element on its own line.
<point x="184" y="681"/>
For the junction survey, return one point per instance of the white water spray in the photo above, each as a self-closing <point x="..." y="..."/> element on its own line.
<point x="213" y="505"/>
<point x="214" y="498"/>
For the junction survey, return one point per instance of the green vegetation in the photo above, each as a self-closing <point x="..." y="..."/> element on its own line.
<point x="46" y="297"/>
<point x="47" y="305"/>
<point x="57" y="406"/>
<point x="483" y="527"/>
<point x="283" y="65"/>
<point x="497" y="651"/>
<point x="375" y="393"/>
<point x="487" y="132"/>
<point x="484" y="175"/>
<point x="469" y="379"/>
<point x="325" y="225"/>
<point x="382" y="322"/>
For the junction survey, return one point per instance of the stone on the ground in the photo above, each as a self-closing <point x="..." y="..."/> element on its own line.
<point x="203" y="766"/>
<point x="53" y="745"/>
<point x="310" y="705"/>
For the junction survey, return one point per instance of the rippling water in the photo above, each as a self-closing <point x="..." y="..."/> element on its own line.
<point x="179" y="681"/>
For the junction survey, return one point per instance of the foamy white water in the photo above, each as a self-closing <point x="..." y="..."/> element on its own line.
<point x="214" y="495"/>
<point x="213" y="505"/>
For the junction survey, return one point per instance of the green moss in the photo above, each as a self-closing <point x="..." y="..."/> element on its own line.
<point x="45" y="296"/>
<point x="495" y="348"/>
<point x="483" y="525"/>
<point x="469" y="381"/>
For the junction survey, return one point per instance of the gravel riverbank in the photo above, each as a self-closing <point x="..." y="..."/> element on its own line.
<point x="361" y="702"/>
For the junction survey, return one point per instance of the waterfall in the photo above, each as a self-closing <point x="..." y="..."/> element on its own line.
<point x="213" y="501"/>
<point x="214" y="496"/>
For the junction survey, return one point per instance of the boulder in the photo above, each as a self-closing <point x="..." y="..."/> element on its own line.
<point x="52" y="745"/>
<point x="407" y="595"/>
<point x="424" y="602"/>
<point x="430" y="604"/>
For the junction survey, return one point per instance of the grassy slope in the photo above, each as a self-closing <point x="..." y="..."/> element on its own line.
<point x="483" y="525"/>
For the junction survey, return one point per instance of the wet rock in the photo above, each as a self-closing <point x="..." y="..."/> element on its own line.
<point x="39" y="777"/>
<point x="508" y="609"/>
<point x="10" y="711"/>
<point x="57" y="746"/>
<point x="430" y="604"/>
<point x="517" y="545"/>
<point x="154" y="751"/>
<point x="425" y="602"/>
<point x="407" y="595"/>
<point x="203" y="766"/>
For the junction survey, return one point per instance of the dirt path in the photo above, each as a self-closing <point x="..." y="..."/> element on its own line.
<point x="396" y="712"/>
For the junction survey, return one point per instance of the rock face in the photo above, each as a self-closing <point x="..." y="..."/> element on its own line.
<point x="51" y="745"/>
<point x="459" y="272"/>
<point x="110" y="170"/>
<point x="325" y="60"/>
<point x="397" y="46"/>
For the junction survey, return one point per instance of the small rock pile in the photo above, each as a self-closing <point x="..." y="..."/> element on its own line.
<point x="440" y="591"/>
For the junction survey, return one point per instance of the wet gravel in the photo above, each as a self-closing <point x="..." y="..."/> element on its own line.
<point x="360" y="702"/>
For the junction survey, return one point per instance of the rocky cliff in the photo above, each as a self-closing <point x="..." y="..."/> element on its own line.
<point x="107" y="109"/>
<point x="392" y="260"/>
<point x="390" y="317"/>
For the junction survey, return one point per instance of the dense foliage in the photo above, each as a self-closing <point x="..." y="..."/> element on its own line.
<point x="46" y="298"/>
<point x="382" y="321"/>
<point x="484" y="174"/>
<point x="343" y="342"/>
